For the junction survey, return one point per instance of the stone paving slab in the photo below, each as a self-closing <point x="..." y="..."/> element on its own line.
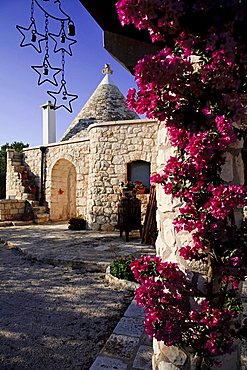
<point x="143" y="359"/>
<point x="128" y="344"/>
<point x="122" y="346"/>
<point x="56" y="244"/>
<point x="131" y="326"/>
<point x="103" y="362"/>
<point x="134" y="311"/>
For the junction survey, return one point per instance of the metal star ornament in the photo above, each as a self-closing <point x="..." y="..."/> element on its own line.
<point x="31" y="38"/>
<point x="62" y="97"/>
<point x="46" y="74"/>
<point x="61" y="42"/>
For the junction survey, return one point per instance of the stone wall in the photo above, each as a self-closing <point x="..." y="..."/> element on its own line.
<point x="77" y="154"/>
<point x="15" y="186"/>
<point x="83" y="176"/>
<point x="12" y="209"/>
<point x="112" y="146"/>
<point x="169" y="242"/>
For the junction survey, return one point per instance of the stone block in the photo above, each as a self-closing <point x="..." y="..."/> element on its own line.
<point x="134" y="311"/>
<point x="107" y="227"/>
<point x="107" y="363"/>
<point x="121" y="346"/>
<point x="175" y="355"/>
<point x="130" y="326"/>
<point x="239" y="169"/>
<point x="227" y="168"/>
<point x="8" y="205"/>
<point x="163" y="365"/>
<point x="143" y="359"/>
<point x="164" y="201"/>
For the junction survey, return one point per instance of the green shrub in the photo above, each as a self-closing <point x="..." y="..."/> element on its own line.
<point x="77" y="223"/>
<point x="120" y="268"/>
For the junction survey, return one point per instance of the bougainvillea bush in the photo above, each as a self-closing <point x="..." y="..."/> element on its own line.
<point x="195" y="84"/>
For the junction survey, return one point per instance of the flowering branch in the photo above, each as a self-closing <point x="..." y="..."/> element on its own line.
<point x="195" y="84"/>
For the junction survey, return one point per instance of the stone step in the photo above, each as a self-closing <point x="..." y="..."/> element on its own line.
<point x="41" y="218"/>
<point x="18" y="156"/>
<point x="39" y="210"/>
<point x="34" y="203"/>
<point x="17" y="162"/>
<point x="28" y="196"/>
<point x="19" y="168"/>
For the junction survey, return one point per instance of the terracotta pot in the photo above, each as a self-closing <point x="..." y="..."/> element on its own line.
<point x="141" y="190"/>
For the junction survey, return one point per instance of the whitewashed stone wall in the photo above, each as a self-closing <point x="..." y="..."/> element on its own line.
<point x="112" y="146"/>
<point x="169" y="242"/>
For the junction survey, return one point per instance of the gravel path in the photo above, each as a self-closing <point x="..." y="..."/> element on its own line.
<point x="52" y="317"/>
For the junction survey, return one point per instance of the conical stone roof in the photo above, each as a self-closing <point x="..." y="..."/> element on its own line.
<point x="106" y="104"/>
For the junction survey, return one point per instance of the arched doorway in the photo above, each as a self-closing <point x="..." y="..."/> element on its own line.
<point x="63" y="191"/>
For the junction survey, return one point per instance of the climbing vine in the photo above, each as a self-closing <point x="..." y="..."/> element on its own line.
<point x="195" y="84"/>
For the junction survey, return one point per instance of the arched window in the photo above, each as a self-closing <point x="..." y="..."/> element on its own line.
<point x="139" y="171"/>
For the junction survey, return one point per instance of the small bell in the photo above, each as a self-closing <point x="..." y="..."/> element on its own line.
<point x="62" y="39"/>
<point x="45" y="71"/>
<point x="71" y="29"/>
<point x="33" y="38"/>
<point x="64" y="97"/>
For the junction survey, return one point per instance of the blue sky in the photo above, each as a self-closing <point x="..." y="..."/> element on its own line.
<point x="21" y="97"/>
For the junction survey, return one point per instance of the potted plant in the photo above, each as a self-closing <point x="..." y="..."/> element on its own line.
<point x="77" y="223"/>
<point x="131" y="187"/>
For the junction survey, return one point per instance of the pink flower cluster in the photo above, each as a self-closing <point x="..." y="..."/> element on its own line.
<point x="166" y="293"/>
<point x="199" y="103"/>
<point x="212" y="328"/>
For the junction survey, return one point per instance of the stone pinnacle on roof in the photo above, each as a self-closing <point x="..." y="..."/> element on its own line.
<point x="107" y="70"/>
<point x="106" y="104"/>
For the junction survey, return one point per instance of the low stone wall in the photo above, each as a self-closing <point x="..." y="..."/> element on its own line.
<point x="12" y="209"/>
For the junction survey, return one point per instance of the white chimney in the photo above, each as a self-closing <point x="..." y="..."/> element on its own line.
<point x="49" y="123"/>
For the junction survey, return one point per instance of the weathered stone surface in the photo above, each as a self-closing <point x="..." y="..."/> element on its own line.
<point x="175" y="356"/>
<point x="134" y="310"/>
<point x="169" y="242"/>
<point x="120" y="346"/>
<point x="143" y="359"/>
<point x="227" y="168"/>
<point x="129" y="326"/>
<point x="106" y="104"/>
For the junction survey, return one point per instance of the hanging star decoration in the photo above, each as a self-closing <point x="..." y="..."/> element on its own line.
<point x="31" y="38"/>
<point x="46" y="74"/>
<point x="62" y="42"/>
<point x="61" y="97"/>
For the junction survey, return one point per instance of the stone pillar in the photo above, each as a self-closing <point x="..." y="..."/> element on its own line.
<point x="169" y="242"/>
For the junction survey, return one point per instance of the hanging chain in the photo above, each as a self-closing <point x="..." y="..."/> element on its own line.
<point x="32" y="12"/>
<point x="63" y="82"/>
<point x="46" y="36"/>
<point x="40" y="42"/>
